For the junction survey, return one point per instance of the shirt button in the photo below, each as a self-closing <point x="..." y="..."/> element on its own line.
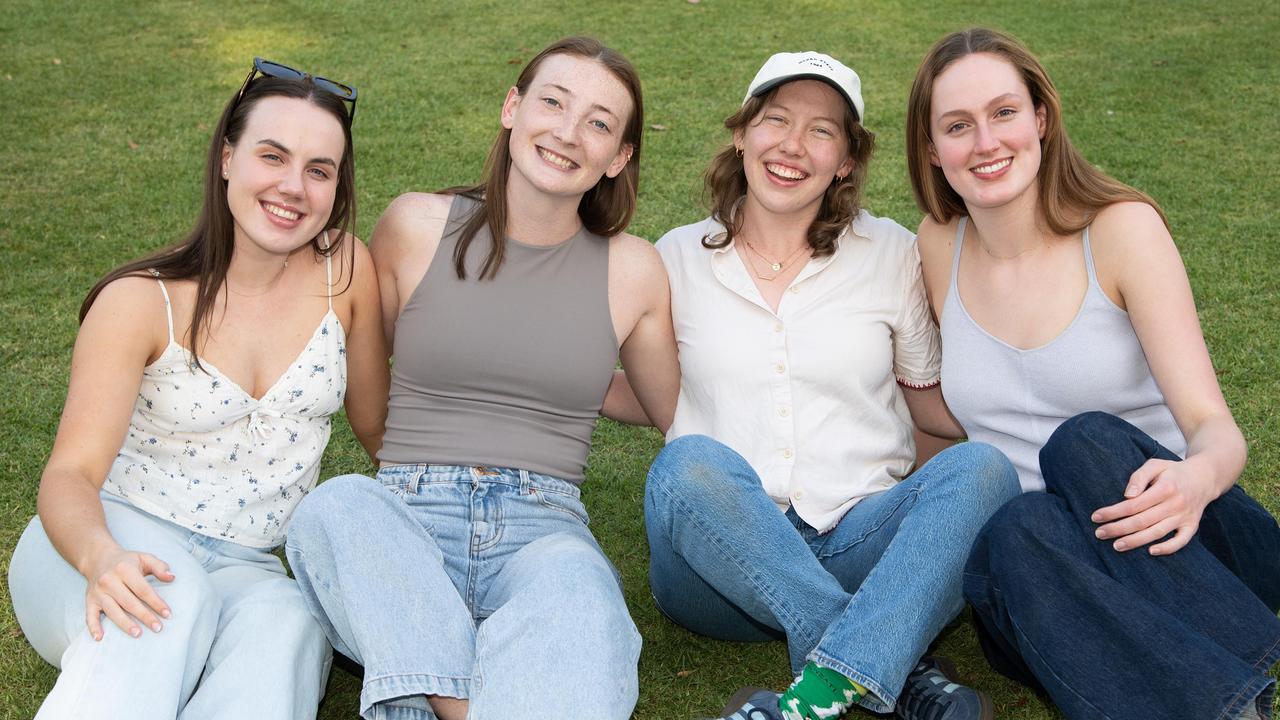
<point x="794" y="289"/>
<point x="783" y="412"/>
<point x="777" y="327"/>
<point x="787" y="453"/>
<point x="779" y="368"/>
<point x="798" y="494"/>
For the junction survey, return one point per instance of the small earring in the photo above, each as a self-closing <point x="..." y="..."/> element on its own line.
<point x="224" y="174"/>
<point x="737" y="150"/>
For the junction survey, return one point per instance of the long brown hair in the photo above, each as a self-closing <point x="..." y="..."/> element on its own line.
<point x="605" y="209"/>
<point x="725" y="181"/>
<point x="1071" y="190"/>
<point x="205" y="253"/>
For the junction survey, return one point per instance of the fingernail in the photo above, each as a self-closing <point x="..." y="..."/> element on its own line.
<point x="1121" y="545"/>
<point x="165" y="613"/>
<point x="1096" y="517"/>
<point x="1099" y="533"/>
<point x="136" y="632"/>
<point x="98" y="637"/>
<point x="156" y="627"/>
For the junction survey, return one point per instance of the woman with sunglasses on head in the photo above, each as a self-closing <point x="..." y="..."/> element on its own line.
<point x="1134" y="578"/>
<point x="202" y="382"/>
<point x="464" y="578"/>
<point x="785" y="502"/>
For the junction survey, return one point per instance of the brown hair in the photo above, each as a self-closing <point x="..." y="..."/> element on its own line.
<point x="605" y="209"/>
<point x="205" y="253"/>
<point x="726" y="181"/>
<point x="1071" y="190"/>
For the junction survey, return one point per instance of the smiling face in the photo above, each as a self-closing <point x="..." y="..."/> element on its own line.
<point x="567" y="128"/>
<point x="985" y="131"/>
<point x="282" y="174"/>
<point x="794" y="148"/>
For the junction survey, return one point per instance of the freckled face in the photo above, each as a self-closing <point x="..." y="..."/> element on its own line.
<point x="794" y="148"/>
<point x="567" y="129"/>
<point x="282" y="175"/>
<point x="985" y="131"/>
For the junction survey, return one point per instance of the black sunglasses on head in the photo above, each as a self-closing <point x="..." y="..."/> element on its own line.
<point x="284" y="72"/>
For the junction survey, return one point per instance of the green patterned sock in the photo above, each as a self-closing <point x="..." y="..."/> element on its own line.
<point x="819" y="694"/>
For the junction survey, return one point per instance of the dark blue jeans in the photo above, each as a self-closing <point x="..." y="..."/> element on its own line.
<point x="1126" y="635"/>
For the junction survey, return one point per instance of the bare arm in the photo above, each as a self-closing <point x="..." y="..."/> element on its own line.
<point x="402" y="247"/>
<point x="1138" y="262"/>
<point x="116" y="341"/>
<point x="368" y="375"/>
<point x="652" y="380"/>
<point x="930" y="414"/>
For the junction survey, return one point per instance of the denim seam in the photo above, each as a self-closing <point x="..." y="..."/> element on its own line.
<point x="876" y="699"/>
<point x="1248" y="693"/>
<point x="1023" y="636"/>
<point x="715" y="541"/>
<point x="1268" y="658"/>
<point x="912" y="494"/>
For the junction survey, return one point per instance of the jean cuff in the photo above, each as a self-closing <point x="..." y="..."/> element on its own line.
<point x="390" y="687"/>
<point x="877" y="698"/>
<point x="1259" y="692"/>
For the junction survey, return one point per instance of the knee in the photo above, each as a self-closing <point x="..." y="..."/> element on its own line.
<point x="692" y="467"/>
<point x="986" y="476"/>
<point x="1077" y="434"/>
<point x="330" y="505"/>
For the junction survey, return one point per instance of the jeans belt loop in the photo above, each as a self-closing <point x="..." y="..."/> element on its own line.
<point x="526" y="484"/>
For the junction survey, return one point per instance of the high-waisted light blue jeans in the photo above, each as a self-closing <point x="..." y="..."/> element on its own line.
<point x="467" y="582"/>
<point x="240" y="643"/>
<point x="864" y="599"/>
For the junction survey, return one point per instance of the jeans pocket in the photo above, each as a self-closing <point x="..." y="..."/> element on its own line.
<point x="563" y="502"/>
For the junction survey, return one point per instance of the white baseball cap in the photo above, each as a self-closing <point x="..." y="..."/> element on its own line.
<point x="810" y="65"/>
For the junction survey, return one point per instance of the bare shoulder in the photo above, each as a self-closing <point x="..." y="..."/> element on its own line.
<point x="132" y="309"/>
<point x="935" y="239"/>
<point x="413" y="222"/>
<point x="1129" y="227"/>
<point x="635" y="267"/>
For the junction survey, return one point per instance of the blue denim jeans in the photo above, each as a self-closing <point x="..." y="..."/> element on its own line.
<point x="1126" y="636"/>
<point x="240" y="642"/>
<point x="467" y="582"/>
<point x="865" y="599"/>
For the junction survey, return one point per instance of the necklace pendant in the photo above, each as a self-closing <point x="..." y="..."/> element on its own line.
<point x="776" y="266"/>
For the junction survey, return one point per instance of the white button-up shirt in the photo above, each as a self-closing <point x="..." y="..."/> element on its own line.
<point x="808" y="395"/>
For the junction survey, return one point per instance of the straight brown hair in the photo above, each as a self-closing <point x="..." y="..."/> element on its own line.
<point x="205" y="253"/>
<point x="1071" y="190"/>
<point x="606" y="209"/>
<point x="725" y="181"/>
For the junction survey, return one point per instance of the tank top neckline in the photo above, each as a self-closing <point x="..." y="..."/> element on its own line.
<point x="1092" y="287"/>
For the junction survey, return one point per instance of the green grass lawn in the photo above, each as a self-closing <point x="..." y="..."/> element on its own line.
<point x="108" y="109"/>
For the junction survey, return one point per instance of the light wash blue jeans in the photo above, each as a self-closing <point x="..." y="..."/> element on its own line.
<point x="467" y="582"/>
<point x="240" y="642"/>
<point x="864" y="599"/>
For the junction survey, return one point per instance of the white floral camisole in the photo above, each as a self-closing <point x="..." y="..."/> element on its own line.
<point x="203" y="453"/>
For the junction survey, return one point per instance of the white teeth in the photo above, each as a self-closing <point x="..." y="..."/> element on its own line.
<point x="281" y="212"/>
<point x="557" y="160"/>
<point x="993" y="167"/>
<point x="783" y="171"/>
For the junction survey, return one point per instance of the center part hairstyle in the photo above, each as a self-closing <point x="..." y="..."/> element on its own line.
<point x="1071" y="191"/>
<point x="726" y="181"/>
<point x="205" y="253"/>
<point x="605" y="210"/>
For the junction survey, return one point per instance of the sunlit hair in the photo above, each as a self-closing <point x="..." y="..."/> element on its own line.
<point x="605" y="209"/>
<point x="1071" y="191"/>
<point x="205" y="253"/>
<point x="726" y="181"/>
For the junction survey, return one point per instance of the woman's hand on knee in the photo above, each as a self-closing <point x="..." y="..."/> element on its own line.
<point x="1163" y="497"/>
<point x="119" y="589"/>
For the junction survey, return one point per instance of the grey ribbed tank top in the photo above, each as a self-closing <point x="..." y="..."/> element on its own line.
<point x="1014" y="399"/>
<point x="507" y="372"/>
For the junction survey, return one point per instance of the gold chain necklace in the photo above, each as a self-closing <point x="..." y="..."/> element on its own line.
<point x="776" y="266"/>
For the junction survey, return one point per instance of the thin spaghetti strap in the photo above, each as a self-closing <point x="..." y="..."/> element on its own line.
<point x="955" y="255"/>
<point x="168" y="306"/>
<point x="1088" y="258"/>
<point x="328" y="271"/>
